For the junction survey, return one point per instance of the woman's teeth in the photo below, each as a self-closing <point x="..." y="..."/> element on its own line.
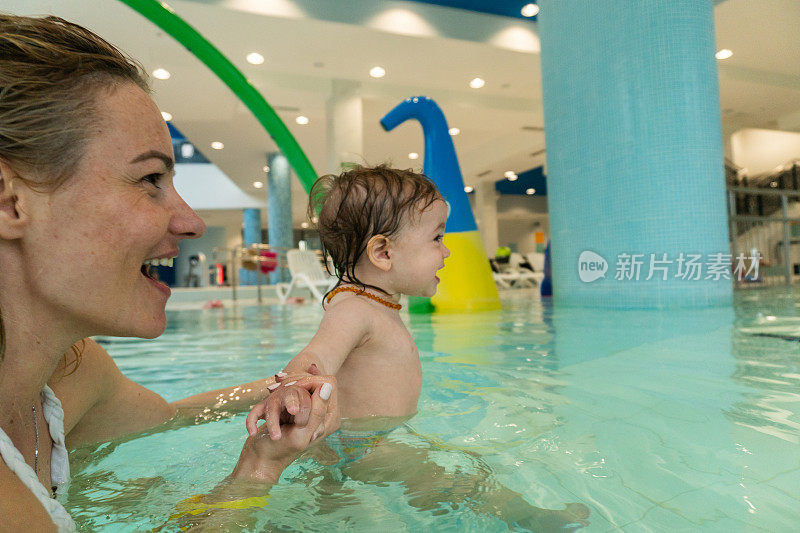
<point x="159" y="262"/>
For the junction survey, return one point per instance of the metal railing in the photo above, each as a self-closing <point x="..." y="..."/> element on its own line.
<point x="774" y="235"/>
<point x="233" y="259"/>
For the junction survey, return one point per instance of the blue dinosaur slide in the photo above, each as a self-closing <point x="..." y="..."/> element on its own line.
<point x="466" y="281"/>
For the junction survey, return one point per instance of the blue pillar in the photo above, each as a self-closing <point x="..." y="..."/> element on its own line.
<point x="251" y="235"/>
<point x="634" y="148"/>
<point x="279" y="209"/>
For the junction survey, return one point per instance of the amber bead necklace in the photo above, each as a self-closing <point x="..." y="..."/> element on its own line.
<point x="362" y="292"/>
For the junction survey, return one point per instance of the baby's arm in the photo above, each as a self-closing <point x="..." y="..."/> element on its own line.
<point x="344" y="327"/>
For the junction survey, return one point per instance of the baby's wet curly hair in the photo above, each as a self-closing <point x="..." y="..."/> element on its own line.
<point x="363" y="202"/>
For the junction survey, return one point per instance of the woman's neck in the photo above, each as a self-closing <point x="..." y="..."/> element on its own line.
<point x="34" y="346"/>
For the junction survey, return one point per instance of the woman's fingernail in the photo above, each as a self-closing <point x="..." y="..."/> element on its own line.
<point x="274" y="386"/>
<point x="325" y="391"/>
<point x="315" y="436"/>
<point x="281" y="374"/>
<point x="289" y="384"/>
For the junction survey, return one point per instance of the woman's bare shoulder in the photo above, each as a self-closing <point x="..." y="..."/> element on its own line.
<point x="81" y="381"/>
<point x="100" y="403"/>
<point x="85" y="363"/>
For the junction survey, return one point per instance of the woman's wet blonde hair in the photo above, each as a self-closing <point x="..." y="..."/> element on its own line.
<point x="51" y="73"/>
<point x="52" y="76"/>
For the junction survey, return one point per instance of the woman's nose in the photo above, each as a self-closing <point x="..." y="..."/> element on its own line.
<point x="185" y="222"/>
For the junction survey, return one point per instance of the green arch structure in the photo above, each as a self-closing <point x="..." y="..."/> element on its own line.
<point x="160" y="14"/>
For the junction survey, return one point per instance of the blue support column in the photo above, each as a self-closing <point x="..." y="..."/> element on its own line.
<point x="634" y="148"/>
<point x="279" y="209"/>
<point x="251" y="234"/>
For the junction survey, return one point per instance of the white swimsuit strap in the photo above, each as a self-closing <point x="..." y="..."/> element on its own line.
<point x="54" y="415"/>
<point x="16" y="462"/>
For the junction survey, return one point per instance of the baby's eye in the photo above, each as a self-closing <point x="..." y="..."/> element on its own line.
<point x="438" y="238"/>
<point x="153" y="179"/>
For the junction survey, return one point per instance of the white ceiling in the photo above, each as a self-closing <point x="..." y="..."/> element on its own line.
<point x="759" y="85"/>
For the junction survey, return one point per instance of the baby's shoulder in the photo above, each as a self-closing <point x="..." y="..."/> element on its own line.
<point x="347" y="303"/>
<point x="349" y="309"/>
<point x="352" y="308"/>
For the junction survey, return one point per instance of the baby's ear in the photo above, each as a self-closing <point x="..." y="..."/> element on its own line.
<point x="13" y="218"/>
<point x="378" y="252"/>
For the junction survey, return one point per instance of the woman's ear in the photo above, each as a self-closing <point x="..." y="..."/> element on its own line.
<point x="13" y="218"/>
<point x="378" y="252"/>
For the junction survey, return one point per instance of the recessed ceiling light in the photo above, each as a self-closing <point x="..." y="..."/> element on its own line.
<point x="314" y="220"/>
<point x="513" y="177"/>
<point x="530" y="191"/>
<point x="454" y="131"/>
<point x="468" y="189"/>
<point x="187" y="150"/>
<point x="302" y="120"/>
<point x="254" y="58"/>
<point x="413" y="155"/>
<point x="377" y="72"/>
<point x="258" y="185"/>
<point x="477" y="83"/>
<point x="304" y="225"/>
<point x="166" y="116"/>
<point x="161" y="74"/>
<point x="723" y="54"/>
<point x="266" y="168"/>
<point x="530" y="10"/>
<point x="509" y="173"/>
<point x="216" y="145"/>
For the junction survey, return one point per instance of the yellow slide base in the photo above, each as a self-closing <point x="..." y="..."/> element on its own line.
<point x="466" y="279"/>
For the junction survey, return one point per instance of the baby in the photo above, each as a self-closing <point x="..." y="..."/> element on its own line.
<point x="383" y="230"/>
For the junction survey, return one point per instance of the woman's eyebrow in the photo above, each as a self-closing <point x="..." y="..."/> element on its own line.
<point x="167" y="160"/>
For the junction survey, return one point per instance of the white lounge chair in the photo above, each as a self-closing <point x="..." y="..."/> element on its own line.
<point x="500" y="274"/>
<point x="516" y="276"/>
<point x="536" y="260"/>
<point x="306" y="270"/>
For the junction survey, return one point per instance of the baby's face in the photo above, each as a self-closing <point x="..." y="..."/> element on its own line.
<point x="418" y="252"/>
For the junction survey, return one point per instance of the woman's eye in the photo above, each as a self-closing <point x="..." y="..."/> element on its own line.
<point x="153" y="179"/>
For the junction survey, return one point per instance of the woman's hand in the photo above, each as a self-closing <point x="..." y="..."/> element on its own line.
<point x="263" y="459"/>
<point x="289" y="401"/>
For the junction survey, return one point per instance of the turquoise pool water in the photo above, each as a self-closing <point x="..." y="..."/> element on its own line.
<point x="656" y="421"/>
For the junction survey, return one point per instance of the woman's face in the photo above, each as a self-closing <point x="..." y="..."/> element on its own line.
<point x="88" y="239"/>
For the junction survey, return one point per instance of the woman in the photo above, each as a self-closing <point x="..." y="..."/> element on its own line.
<point x="86" y="199"/>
